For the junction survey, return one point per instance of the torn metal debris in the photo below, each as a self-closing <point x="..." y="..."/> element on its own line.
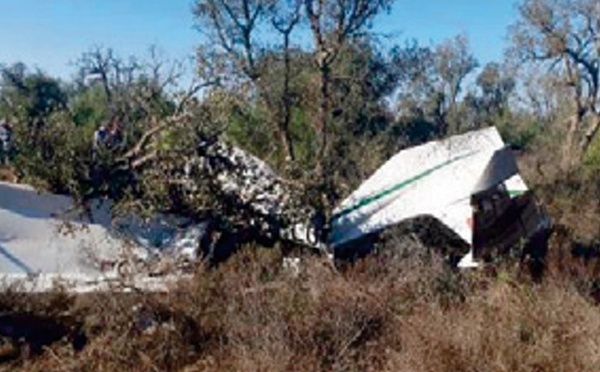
<point x="470" y="183"/>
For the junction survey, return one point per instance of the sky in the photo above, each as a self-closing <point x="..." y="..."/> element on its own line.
<point x="52" y="34"/>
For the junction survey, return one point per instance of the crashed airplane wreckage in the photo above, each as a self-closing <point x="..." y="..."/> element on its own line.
<point x="469" y="183"/>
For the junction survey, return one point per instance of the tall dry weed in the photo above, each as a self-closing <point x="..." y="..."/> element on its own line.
<point x="399" y="309"/>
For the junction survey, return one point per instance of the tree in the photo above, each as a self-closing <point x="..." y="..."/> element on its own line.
<point x="495" y="86"/>
<point x="234" y="27"/>
<point x="454" y="64"/>
<point x="333" y="24"/>
<point x="431" y="82"/>
<point x="285" y="16"/>
<point x="54" y="122"/>
<point x="30" y="97"/>
<point x="48" y="151"/>
<point x="274" y="77"/>
<point x="132" y="86"/>
<point x="564" y="37"/>
<point x="487" y="103"/>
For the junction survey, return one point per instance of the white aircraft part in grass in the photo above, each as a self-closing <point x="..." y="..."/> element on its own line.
<point x="436" y="179"/>
<point x="44" y="242"/>
<point x="34" y="237"/>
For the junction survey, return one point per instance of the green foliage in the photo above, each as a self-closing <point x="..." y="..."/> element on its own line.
<point x="49" y="150"/>
<point x="304" y="137"/>
<point x="591" y="160"/>
<point x="54" y="125"/>
<point x="520" y="136"/>
<point x="29" y="96"/>
<point x="431" y="80"/>
<point x="89" y="107"/>
<point x="55" y="156"/>
<point x="249" y="128"/>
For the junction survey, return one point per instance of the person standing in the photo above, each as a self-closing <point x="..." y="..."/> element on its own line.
<point x="100" y="137"/>
<point x="5" y="142"/>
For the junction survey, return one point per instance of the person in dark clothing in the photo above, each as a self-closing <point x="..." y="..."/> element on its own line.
<point x="100" y="137"/>
<point x="5" y="142"/>
<point x="108" y="136"/>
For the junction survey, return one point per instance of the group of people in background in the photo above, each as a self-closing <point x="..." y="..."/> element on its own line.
<point x="108" y="136"/>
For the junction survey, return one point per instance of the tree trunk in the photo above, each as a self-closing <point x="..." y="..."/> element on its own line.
<point x="286" y="136"/>
<point x="570" y="150"/>
<point x="286" y="142"/>
<point x="591" y="133"/>
<point x="322" y="171"/>
<point x="322" y="127"/>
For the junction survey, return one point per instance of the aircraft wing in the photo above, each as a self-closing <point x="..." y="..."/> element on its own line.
<point x="436" y="178"/>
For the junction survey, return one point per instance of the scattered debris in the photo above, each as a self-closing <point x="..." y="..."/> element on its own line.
<point x="470" y="183"/>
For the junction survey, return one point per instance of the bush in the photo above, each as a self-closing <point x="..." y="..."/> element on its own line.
<point x="387" y="312"/>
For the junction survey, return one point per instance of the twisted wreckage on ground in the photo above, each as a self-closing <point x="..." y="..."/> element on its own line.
<point x="468" y="183"/>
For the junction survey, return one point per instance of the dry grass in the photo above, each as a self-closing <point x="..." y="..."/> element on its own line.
<point x="401" y="309"/>
<point x="8" y="174"/>
<point x="407" y="312"/>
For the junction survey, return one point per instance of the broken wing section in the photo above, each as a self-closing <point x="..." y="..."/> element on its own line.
<point x="436" y="179"/>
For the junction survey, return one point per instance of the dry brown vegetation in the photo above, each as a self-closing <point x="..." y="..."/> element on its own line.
<point x="392" y="311"/>
<point x="8" y="174"/>
<point x="404" y="308"/>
